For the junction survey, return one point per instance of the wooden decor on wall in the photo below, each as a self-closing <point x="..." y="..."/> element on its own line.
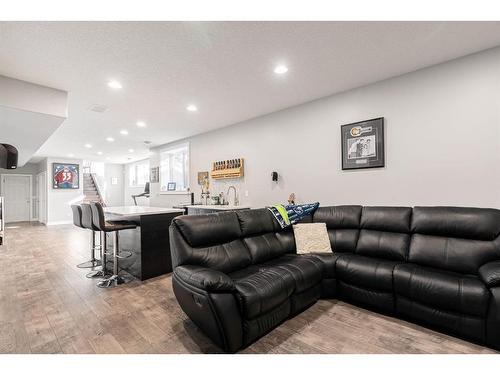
<point x="232" y="168"/>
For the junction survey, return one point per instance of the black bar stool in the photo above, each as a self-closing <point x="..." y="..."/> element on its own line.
<point x="87" y="222"/>
<point x="77" y="220"/>
<point x="115" y="227"/>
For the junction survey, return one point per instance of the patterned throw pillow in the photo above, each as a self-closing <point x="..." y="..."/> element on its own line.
<point x="292" y="213"/>
<point x="311" y="238"/>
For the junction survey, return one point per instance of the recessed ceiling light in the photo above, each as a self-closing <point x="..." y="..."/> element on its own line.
<point x="71" y="155"/>
<point x="88" y="145"/>
<point x="192" y="108"/>
<point x="110" y="139"/>
<point x="124" y="132"/>
<point x="99" y="152"/>
<point x="130" y="150"/>
<point x="141" y="124"/>
<point x="280" y="69"/>
<point x="115" y="85"/>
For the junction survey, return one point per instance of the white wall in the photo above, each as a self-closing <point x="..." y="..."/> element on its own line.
<point x="128" y="190"/>
<point x="113" y="194"/>
<point x="59" y="201"/>
<point x="442" y="127"/>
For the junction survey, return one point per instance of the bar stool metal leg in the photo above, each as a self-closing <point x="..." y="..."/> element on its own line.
<point x="93" y="262"/>
<point x="103" y="272"/>
<point x="115" y="279"/>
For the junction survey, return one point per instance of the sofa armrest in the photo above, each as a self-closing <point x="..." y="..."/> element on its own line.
<point x="490" y="273"/>
<point x="204" y="278"/>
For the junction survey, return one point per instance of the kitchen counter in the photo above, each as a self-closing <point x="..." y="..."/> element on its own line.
<point x="219" y="207"/>
<point x="200" y="209"/>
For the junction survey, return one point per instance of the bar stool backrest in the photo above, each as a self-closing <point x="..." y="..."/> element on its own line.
<point x="98" y="216"/>
<point x="87" y="219"/>
<point x="77" y="215"/>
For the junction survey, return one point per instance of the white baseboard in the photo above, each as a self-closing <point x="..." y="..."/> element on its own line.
<point x="64" y="222"/>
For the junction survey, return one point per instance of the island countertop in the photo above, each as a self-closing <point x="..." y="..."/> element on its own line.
<point x="139" y="210"/>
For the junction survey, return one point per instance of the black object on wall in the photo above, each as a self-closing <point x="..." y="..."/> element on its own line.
<point x="274" y="175"/>
<point x="8" y="156"/>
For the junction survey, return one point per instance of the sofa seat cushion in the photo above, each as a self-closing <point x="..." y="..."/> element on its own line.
<point x="366" y="272"/>
<point x="260" y="290"/>
<point x="306" y="271"/>
<point x="328" y="261"/>
<point x="440" y="289"/>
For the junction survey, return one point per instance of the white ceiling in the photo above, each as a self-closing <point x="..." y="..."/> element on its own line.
<point x="225" y="68"/>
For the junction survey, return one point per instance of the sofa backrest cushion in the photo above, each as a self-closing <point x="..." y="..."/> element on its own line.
<point x="386" y="219"/>
<point x="211" y="229"/>
<point x="457" y="239"/>
<point x="257" y="221"/>
<point x="211" y="241"/>
<point x="385" y="232"/>
<point x="342" y="224"/>
<point x="458" y="222"/>
<point x="452" y="254"/>
<point x="263" y="236"/>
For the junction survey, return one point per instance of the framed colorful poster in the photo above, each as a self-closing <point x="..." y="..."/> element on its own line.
<point x="65" y="176"/>
<point x="363" y="144"/>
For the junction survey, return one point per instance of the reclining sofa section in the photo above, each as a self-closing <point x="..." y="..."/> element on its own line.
<point x="237" y="274"/>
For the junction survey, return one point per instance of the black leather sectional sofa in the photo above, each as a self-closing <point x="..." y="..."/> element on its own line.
<point x="237" y="275"/>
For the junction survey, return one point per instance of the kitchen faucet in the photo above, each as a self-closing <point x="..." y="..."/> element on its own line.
<point x="236" y="201"/>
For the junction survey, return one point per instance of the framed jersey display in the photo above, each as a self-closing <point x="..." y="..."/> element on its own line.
<point x="363" y="144"/>
<point x="65" y="176"/>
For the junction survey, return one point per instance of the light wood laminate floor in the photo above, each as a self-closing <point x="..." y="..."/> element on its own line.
<point x="47" y="305"/>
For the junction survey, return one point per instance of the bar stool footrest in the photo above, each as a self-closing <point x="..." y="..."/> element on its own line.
<point x="124" y="254"/>
<point x="90" y="264"/>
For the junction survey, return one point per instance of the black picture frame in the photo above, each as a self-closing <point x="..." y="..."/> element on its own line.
<point x="363" y="144"/>
<point x="171" y="186"/>
<point x="65" y="176"/>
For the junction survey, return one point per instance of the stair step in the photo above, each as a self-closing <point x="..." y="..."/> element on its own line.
<point x="90" y="192"/>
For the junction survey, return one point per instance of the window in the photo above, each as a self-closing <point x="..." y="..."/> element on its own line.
<point x="138" y="173"/>
<point x="174" y="168"/>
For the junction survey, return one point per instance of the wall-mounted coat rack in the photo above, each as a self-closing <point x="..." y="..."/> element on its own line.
<point x="232" y="168"/>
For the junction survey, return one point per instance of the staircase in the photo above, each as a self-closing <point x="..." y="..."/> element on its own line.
<point x="90" y="190"/>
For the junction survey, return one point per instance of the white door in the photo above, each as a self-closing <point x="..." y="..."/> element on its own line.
<point x="17" y="197"/>
<point x="42" y="197"/>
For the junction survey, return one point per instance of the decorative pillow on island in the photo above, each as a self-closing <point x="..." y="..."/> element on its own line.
<point x="311" y="238"/>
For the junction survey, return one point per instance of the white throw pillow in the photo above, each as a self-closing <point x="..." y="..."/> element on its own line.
<point x="311" y="238"/>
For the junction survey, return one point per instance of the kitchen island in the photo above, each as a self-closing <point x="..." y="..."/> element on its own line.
<point x="149" y="243"/>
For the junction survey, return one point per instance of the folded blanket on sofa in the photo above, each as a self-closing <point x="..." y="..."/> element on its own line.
<point x="292" y="213"/>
